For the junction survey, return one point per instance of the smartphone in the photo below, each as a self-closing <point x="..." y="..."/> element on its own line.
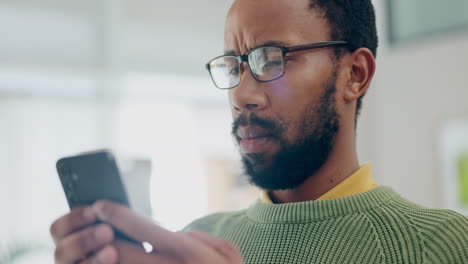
<point x="90" y="177"/>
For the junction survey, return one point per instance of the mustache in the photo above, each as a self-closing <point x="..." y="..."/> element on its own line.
<point x="254" y="120"/>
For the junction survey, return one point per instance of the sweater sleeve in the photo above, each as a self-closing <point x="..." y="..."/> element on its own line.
<point x="447" y="242"/>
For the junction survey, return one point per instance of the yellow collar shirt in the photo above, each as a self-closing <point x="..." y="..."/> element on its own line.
<point x="359" y="182"/>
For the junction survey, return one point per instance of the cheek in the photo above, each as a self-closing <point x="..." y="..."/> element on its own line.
<point x="304" y="80"/>
<point x="296" y="94"/>
<point x="287" y="107"/>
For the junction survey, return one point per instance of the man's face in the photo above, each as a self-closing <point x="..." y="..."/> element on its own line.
<point x="285" y="128"/>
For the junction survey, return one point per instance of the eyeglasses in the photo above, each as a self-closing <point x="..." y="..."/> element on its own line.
<point x="266" y="63"/>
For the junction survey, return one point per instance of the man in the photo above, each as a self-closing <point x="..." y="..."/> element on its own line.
<point x="296" y="72"/>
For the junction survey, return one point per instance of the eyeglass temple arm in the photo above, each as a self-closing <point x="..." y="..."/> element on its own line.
<point x="314" y="45"/>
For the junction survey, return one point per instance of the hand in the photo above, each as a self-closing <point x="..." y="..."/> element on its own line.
<point x="168" y="247"/>
<point x="77" y="236"/>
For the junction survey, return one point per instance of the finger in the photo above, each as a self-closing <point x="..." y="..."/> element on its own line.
<point x="165" y="242"/>
<point x="81" y="244"/>
<point x="75" y="220"/>
<point x="106" y="255"/>
<point x="136" y="226"/>
<point x="129" y="254"/>
<point x="224" y="247"/>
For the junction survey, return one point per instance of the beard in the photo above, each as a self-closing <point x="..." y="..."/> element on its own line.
<point x="295" y="162"/>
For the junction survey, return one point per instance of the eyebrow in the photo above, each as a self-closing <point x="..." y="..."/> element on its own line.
<point x="264" y="44"/>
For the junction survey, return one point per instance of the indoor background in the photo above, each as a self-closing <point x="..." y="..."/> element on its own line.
<point x="129" y="75"/>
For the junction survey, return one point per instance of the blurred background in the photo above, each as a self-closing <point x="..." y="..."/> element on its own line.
<point x="129" y="75"/>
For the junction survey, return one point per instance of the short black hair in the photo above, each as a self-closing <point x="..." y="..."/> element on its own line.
<point x="352" y="21"/>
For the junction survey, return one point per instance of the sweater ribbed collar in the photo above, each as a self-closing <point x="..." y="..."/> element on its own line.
<point x="319" y="210"/>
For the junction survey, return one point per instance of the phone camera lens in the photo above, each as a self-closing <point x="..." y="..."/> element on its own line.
<point x="75" y="177"/>
<point x="74" y="199"/>
<point x="64" y="170"/>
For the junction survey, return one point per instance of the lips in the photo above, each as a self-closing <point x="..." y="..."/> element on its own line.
<point x="252" y="132"/>
<point x="254" y="139"/>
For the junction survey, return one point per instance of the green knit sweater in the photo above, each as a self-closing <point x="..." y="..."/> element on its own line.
<point x="378" y="226"/>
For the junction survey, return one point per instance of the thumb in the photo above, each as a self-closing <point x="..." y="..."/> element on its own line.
<point x="223" y="247"/>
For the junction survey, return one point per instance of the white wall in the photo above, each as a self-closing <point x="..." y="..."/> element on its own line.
<point x="417" y="87"/>
<point x="34" y="134"/>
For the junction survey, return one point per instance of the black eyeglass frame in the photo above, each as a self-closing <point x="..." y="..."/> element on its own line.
<point x="284" y="49"/>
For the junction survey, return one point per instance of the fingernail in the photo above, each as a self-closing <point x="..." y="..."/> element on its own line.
<point x="88" y="214"/>
<point x="103" y="234"/>
<point x="99" y="209"/>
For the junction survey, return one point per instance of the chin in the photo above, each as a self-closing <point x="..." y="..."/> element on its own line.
<point x="258" y="161"/>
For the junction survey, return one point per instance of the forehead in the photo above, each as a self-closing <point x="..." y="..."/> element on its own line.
<point x="250" y="23"/>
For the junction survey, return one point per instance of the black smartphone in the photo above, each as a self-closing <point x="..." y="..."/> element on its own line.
<point x="90" y="177"/>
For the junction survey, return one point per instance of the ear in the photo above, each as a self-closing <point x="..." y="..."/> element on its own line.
<point x="361" y="72"/>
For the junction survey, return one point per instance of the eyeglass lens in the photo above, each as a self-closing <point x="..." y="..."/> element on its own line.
<point x="266" y="64"/>
<point x="225" y="71"/>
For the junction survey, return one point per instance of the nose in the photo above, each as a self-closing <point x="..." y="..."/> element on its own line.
<point x="248" y="95"/>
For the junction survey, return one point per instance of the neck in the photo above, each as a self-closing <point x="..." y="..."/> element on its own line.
<point x="341" y="164"/>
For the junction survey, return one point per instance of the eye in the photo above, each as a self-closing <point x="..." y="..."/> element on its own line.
<point x="234" y="71"/>
<point x="273" y="64"/>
